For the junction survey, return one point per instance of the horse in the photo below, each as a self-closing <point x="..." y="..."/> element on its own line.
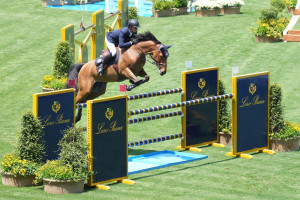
<point x="89" y="85"/>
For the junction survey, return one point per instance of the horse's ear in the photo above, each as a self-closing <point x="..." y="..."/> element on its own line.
<point x="165" y="48"/>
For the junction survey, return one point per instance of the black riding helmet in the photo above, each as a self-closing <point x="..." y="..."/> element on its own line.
<point x="133" y="22"/>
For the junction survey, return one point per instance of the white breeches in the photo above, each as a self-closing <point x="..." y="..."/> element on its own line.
<point x="111" y="47"/>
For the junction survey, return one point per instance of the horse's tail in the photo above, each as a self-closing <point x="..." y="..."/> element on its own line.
<point x="73" y="75"/>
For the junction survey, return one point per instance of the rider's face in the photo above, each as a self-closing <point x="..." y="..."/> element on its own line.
<point x="133" y="29"/>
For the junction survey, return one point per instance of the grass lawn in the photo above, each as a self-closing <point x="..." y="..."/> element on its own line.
<point x="29" y="35"/>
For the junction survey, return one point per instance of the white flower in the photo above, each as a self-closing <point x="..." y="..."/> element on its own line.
<point x="231" y="3"/>
<point x="207" y="4"/>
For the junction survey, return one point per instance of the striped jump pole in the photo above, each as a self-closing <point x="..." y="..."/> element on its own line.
<point x="81" y="105"/>
<point x="142" y="96"/>
<point x="155" y="140"/>
<point x="154" y="94"/>
<point x="181" y="104"/>
<point x="154" y="117"/>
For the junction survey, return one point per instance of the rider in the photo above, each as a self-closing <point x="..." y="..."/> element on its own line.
<point x="121" y="38"/>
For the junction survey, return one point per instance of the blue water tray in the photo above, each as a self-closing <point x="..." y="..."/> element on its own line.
<point x="161" y="159"/>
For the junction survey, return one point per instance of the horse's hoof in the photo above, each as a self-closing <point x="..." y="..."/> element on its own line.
<point x="129" y="87"/>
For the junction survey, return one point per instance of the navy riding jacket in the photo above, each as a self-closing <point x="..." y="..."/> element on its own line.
<point x="120" y="37"/>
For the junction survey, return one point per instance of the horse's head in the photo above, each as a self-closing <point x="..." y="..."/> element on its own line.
<point x="160" y="56"/>
<point x="154" y="48"/>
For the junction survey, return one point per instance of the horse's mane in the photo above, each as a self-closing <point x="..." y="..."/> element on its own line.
<point x="146" y="37"/>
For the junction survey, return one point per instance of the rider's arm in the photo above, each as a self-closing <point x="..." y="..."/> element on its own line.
<point x="122" y="40"/>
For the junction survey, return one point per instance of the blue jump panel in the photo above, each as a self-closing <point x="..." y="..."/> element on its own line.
<point x="161" y="159"/>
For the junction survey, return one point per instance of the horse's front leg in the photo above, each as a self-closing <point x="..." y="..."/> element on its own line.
<point x="144" y="80"/>
<point x="145" y="75"/>
<point x="132" y="78"/>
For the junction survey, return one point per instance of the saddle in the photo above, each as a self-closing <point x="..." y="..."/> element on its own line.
<point x="104" y="53"/>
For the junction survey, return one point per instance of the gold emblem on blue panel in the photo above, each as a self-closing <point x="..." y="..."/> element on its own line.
<point x="252" y="88"/>
<point x="109" y="113"/>
<point x="201" y="83"/>
<point x="56" y="106"/>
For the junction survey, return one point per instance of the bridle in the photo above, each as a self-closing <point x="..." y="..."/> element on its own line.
<point x="153" y="61"/>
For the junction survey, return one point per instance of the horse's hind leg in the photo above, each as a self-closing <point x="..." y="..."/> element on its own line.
<point x="85" y="88"/>
<point x="99" y="89"/>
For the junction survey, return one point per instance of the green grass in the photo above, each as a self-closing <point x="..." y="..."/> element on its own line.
<point x="29" y="35"/>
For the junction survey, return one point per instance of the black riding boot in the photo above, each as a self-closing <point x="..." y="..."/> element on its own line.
<point x="104" y="63"/>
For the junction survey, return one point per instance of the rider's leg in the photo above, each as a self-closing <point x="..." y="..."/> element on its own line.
<point x="112" y="53"/>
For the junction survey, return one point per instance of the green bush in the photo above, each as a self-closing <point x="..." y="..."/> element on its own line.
<point x="62" y="61"/>
<point x="72" y="152"/>
<point x="133" y="13"/>
<point x="180" y="3"/>
<point x="269" y="13"/>
<point x="224" y="115"/>
<point x="72" y="163"/>
<point x="162" y="4"/>
<point x="275" y="109"/>
<point x="278" y="4"/>
<point x="30" y="145"/>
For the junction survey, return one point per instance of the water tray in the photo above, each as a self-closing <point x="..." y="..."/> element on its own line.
<point x="161" y="159"/>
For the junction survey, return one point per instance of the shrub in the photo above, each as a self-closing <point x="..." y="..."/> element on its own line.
<point x="30" y="145"/>
<point x="224" y="115"/>
<point x="162" y="4"/>
<point x="278" y="4"/>
<point x="269" y="13"/>
<point x="133" y="13"/>
<point x="180" y="3"/>
<point x="72" y="162"/>
<point x="72" y="151"/>
<point x="62" y="61"/>
<point x="275" y="109"/>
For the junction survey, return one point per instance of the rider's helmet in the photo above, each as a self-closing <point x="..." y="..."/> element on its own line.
<point x="133" y="22"/>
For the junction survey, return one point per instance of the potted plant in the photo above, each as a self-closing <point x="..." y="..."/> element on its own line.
<point x="283" y="136"/>
<point x="162" y="8"/>
<point x="291" y="4"/>
<point x="207" y="8"/>
<point x="180" y="7"/>
<point x="68" y="172"/>
<point x="19" y="168"/>
<point x="60" y="68"/>
<point x="231" y="6"/>
<point x="270" y="26"/>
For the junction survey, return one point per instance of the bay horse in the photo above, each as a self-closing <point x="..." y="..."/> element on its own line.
<point x="90" y="85"/>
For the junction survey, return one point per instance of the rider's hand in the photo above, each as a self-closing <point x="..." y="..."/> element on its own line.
<point x="134" y="41"/>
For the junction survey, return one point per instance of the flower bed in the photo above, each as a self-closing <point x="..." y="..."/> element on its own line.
<point x="226" y="6"/>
